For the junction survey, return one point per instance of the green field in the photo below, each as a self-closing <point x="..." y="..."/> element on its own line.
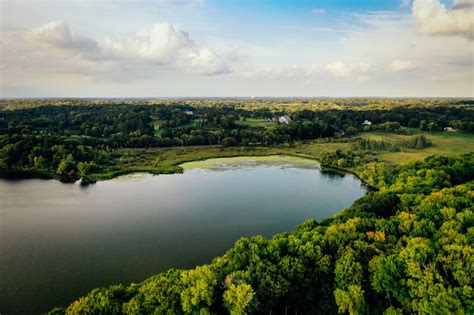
<point x="254" y="122"/>
<point x="444" y="143"/>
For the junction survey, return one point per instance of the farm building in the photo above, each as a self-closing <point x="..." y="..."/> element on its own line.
<point x="284" y="119"/>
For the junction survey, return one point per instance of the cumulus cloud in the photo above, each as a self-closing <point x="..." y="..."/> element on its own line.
<point x="434" y="18"/>
<point x="57" y="35"/>
<point x="160" y="45"/>
<point x="359" y="71"/>
<point x="338" y="69"/>
<point x="165" y="44"/>
<point x="401" y="65"/>
<point x="205" y="61"/>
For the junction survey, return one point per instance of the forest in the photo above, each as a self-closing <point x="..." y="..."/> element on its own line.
<point x="405" y="247"/>
<point x="70" y="140"/>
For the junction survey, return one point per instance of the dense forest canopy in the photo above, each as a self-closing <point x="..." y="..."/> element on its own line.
<point x="288" y="103"/>
<point x="69" y="139"/>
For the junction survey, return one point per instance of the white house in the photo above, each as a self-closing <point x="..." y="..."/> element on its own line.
<point x="284" y="119"/>
<point x="367" y="123"/>
<point x="188" y="112"/>
<point x="450" y="129"/>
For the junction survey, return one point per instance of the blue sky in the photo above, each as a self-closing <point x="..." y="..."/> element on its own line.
<point x="236" y="48"/>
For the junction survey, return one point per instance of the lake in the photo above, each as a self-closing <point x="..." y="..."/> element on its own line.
<point x="58" y="241"/>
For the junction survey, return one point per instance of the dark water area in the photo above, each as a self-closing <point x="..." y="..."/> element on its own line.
<point x="58" y="241"/>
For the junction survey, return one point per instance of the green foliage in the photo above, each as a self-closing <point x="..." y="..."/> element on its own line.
<point x="199" y="288"/>
<point x="348" y="270"/>
<point x="37" y="137"/>
<point x="416" y="142"/>
<point x="101" y="301"/>
<point x="344" y="159"/>
<point x="158" y="295"/>
<point x="350" y="300"/>
<point x="238" y="296"/>
<point x="85" y="168"/>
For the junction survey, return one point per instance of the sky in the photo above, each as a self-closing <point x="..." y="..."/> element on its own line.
<point x="219" y="48"/>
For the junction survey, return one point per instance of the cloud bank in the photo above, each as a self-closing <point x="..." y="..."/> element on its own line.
<point x="57" y="35"/>
<point x="434" y="18"/>
<point x="165" y="44"/>
<point x="390" y="51"/>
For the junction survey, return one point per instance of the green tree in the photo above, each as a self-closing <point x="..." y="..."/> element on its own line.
<point x="350" y="300"/>
<point x="67" y="166"/>
<point x="199" y="288"/>
<point x="84" y="168"/>
<point x="40" y="162"/>
<point x="432" y="125"/>
<point x="348" y="271"/>
<point x="423" y="125"/>
<point x="238" y="296"/>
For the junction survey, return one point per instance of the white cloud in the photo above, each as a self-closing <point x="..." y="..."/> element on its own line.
<point x="359" y="71"/>
<point x="338" y="69"/>
<point x="205" y="61"/>
<point x="165" y="44"/>
<point x="160" y="45"/>
<point x="434" y="18"/>
<point x="57" y="35"/>
<point x="401" y="65"/>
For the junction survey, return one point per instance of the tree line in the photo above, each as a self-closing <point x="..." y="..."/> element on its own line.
<point x="70" y="141"/>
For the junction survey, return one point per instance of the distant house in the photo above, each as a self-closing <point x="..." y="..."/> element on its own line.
<point x="284" y="119"/>
<point x="188" y="112"/>
<point x="367" y="123"/>
<point x="450" y="129"/>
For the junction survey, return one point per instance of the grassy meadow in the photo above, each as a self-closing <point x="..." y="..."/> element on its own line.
<point x="444" y="143"/>
<point x="255" y="122"/>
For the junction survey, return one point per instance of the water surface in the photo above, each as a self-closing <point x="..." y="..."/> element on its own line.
<point x="58" y="241"/>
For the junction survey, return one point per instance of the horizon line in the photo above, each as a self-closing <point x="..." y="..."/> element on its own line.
<point x="220" y="97"/>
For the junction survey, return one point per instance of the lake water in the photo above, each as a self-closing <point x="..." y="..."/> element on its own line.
<point x="58" y="241"/>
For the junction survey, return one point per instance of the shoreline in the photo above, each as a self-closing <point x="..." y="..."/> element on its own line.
<point x="19" y="174"/>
